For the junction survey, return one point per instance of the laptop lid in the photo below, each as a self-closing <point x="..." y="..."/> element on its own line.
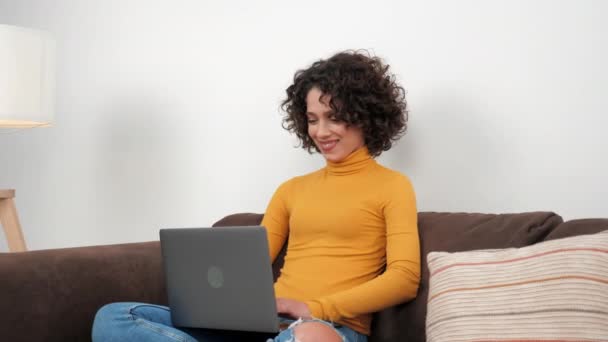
<point x="219" y="278"/>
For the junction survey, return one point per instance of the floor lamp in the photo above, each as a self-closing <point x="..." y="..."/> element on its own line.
<point x="27" y="64"/>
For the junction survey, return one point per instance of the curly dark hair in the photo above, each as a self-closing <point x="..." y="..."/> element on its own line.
<point x="363" y="93"/>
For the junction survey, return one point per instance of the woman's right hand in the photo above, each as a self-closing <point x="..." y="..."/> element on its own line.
<point x="293" y="308"/>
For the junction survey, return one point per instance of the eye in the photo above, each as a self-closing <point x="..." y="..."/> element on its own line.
<point x="311" y="121"/>
<point x="332" y="117"/>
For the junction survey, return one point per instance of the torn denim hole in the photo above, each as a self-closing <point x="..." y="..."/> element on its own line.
<point x="286" y="335"/>
<point x="300" y="321"/>
<point x="296" y="323"/>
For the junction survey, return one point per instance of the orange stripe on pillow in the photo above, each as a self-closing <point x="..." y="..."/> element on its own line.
<point x="561" y="250"/>
<point x="460" y="289"/>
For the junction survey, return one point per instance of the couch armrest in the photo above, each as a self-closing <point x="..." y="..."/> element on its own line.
<point x="53" y="295"/>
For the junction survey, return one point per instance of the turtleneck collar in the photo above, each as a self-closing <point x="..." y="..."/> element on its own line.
<point x="355" y="162"/>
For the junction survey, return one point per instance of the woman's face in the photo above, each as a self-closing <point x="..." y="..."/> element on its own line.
<point x="335" y="139"/>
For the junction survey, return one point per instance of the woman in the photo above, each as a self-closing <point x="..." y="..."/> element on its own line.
<point x="353" y="241"/>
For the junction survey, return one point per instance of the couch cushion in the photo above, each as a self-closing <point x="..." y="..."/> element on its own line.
<point x="578" y="227"/>
<point x="454" y="232"/>
<point x="551" y="291"/>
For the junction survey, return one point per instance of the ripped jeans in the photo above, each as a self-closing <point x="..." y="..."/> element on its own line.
<point x="347" y="334"/>
<point x="150" y="322"/>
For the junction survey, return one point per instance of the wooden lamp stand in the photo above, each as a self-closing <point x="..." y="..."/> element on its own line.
<point x="10" y="221"/>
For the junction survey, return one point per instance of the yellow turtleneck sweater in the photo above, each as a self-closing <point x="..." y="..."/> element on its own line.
<point x="346" y="223"/>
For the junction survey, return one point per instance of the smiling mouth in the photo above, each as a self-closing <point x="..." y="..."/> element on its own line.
<point x="327" y="146"/>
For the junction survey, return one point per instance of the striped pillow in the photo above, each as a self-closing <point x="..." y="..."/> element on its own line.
<point x="551" y="291"/>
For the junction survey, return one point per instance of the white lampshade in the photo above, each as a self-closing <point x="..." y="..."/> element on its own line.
<point x="27" y="77"/>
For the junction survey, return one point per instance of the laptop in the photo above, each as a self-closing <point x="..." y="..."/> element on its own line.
<point x="219" y="278"/>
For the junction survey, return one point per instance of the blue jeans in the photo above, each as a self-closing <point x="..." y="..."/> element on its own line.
<point x="149" y="322"/>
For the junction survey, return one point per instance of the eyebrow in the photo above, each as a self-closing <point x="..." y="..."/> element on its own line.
<point x="331" y="111"/>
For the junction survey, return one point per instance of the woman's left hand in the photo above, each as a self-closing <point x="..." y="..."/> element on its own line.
<point x="293" y="308"/>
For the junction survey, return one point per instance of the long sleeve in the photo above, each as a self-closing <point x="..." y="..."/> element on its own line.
<point x="276" y="220"/>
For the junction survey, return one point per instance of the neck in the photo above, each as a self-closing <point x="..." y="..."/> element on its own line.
<point x="353" y="163"/>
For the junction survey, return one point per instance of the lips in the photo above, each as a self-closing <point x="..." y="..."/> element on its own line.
<point x="327" y="146"/>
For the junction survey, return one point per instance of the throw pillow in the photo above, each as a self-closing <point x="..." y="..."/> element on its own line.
<point x="551" y="291"/>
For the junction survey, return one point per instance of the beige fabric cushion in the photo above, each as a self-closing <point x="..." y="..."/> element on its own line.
<point x="551" y="291"/>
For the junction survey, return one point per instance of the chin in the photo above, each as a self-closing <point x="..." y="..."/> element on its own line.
<point x="334" y="158"/>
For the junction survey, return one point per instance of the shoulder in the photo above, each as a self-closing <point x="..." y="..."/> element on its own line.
<point x="392" y="177"/>
<point x="300" y="180"/>
<point x="396" y="187"/>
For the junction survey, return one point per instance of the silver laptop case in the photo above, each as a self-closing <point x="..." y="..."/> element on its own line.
<point x="219" y="278"/>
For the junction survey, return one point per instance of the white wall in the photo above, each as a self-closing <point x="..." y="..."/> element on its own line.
<point x="167" y="111"/>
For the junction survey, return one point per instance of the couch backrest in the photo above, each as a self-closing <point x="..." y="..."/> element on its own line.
<point x="450" y="232"/>
<point x="578" y="227"/>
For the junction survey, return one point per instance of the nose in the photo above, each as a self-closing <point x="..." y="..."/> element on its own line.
<point x="323" y="129"/>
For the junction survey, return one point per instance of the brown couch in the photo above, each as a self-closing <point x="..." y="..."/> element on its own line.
<point x="52" y="295"/>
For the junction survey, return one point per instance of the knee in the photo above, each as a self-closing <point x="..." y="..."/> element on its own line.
<point x="109" y="310"/>
<point x="105" y="317"/>
<point x="315" y="331"/>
